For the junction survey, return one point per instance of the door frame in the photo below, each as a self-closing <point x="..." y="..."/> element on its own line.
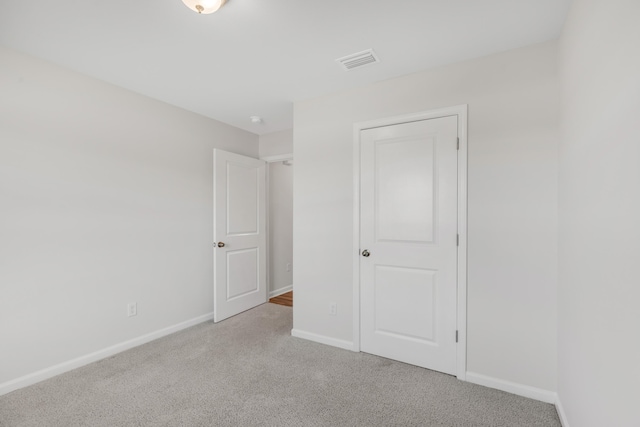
<point x="268" y="160"/>
<point x="461" y="316"/>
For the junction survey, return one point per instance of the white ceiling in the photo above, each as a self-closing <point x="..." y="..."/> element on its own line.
<point x="256" y="57"/>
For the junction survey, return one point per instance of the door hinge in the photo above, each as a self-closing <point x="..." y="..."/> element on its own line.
<point x="458" y="144"/>
<point x="456" y="336"/>
<point x="457" y="240"/>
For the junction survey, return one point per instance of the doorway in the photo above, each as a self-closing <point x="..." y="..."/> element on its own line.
<point x="410" y="239"/>
<point x="280" y="228"/>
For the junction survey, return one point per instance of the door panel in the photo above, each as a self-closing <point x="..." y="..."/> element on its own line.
<point x="242" y="273"/>
<point x="242" y="199"/>
<point x="399" y="316"/>
<point x="408" y="224"/>
<point x="404" y="196"/>
<point x="239" y="225"/>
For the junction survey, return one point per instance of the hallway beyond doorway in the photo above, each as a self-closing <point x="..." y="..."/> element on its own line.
<point x="284" y="299"/>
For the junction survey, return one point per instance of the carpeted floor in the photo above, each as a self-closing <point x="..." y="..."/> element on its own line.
<point x="249" y="371"/>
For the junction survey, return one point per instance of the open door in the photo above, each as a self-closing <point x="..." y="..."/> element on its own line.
<point x="239" y="222"/>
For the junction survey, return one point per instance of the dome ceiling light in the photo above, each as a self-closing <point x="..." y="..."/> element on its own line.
<point x="204" y="6"/>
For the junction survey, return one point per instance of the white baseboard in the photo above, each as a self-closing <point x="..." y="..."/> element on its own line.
<point x="280" y="291"/>
<point x="563" y="415"/>
<point x="511" y="387"/>
<point x="347" y="345"/>
<point x="69" y="365"/>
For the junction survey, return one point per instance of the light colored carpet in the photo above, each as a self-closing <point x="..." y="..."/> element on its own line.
<point x="249" y="371"/>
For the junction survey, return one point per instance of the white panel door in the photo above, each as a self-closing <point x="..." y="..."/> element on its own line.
<point x="239" y="218"/>
<point x="408" y="242"/>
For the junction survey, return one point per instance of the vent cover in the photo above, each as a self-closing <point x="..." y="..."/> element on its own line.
<point x="357" y="60"/>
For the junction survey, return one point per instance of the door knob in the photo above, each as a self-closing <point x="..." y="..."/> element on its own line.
<point x="220" y="244"/>
<point x="365" y="253"/>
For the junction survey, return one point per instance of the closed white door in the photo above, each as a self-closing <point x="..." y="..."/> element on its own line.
<point x="408" y="261"/>
<point x="239" y="218"/>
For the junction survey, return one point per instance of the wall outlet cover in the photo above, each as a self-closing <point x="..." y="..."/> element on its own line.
<point x="132" y="309"/>
<point x="333" y="309"/>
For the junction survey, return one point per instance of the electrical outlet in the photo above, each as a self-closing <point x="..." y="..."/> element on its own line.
<point x="288" y="266"/>
<point x="333" y="308"/>
<point x="132" y="309"/>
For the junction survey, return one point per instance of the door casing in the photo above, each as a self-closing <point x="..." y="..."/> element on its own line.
<point x="461" y="316"/>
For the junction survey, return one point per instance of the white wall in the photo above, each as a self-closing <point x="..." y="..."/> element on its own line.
<point x="276" y="143"/>
<point x="106" y="199"/>
<point x="280" y="227"/>
<point x="599" y="282"/>
<point x="513" y="102"/>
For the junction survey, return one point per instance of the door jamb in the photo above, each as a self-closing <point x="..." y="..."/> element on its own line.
<point x="268" y="160"/>
<point x="461" y="316"/>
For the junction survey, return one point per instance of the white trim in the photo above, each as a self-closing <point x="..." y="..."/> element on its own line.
<point x="280" y="291"/>
<point x="277" y="158"/>
<point x="514" y="388"/>
<point x="69" y="365"/>
<point x="414" y="117"/>
<point x="346" y="345"/>
<point x="561" y="413"/>
<point x="355" y="260"/>
<point x="461" y="112"/>
<point x="462" y="245"/>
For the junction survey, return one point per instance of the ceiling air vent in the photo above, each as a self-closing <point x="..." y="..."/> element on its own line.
<point x="357" y="60"/>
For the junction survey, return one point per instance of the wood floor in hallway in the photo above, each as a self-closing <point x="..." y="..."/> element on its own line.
<point x="284" y="299"/>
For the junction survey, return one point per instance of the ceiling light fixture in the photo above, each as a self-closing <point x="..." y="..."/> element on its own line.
<point x="204" y="6"/>
<point x="256" y="120"/>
